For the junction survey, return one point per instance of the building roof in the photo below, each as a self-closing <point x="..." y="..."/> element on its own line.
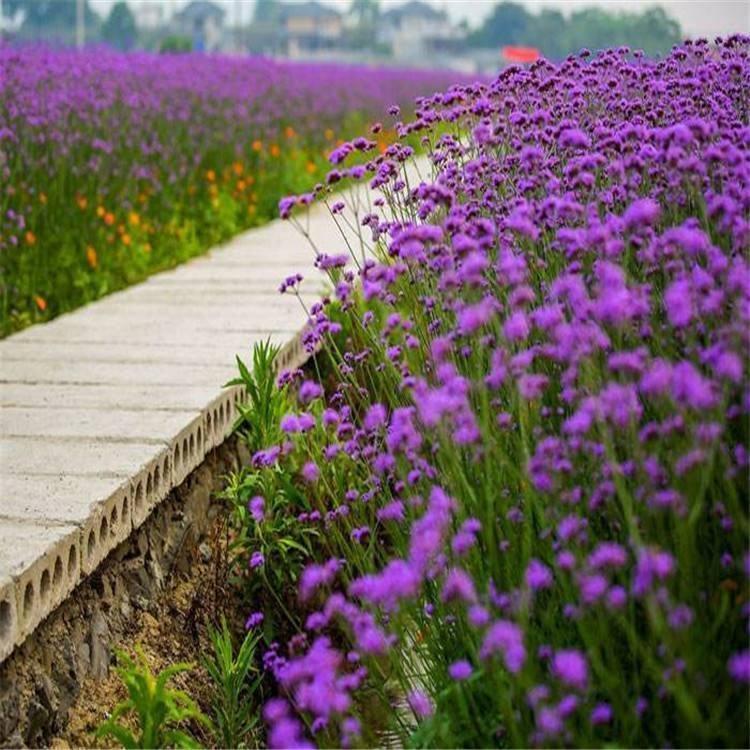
<point x="199" y="10"/>
<point x="414" y="9"/>
<point x="311" y="9"/>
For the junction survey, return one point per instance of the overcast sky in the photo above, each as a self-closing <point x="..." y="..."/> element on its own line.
<point x="697" y="17"/>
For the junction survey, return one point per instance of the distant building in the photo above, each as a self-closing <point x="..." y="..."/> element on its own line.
<point x="310" y="28"/>
<point x="203" y="22"/>
<point x="415" y="30"/>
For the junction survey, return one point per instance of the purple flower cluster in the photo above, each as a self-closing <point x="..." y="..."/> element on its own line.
<point x="542" y="415"/>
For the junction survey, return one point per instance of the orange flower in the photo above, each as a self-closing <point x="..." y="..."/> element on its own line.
<point x="289" y="131"/>
<point x="134" y="219"/>
<point x="257" y="146"/>
<point x="126" y="239"/>
<point x="91" y="258"/>
<point x="250" y="179"/>
<point x="311" y="168"/>
<point x="241" y="185"/>
<point x="109" y="218"/>
<point x="251" y="209"/>
<point x="99" y="209"/>
<point x="328" y="134"/>
<point x="30" y="238"/>
<point x="82" y="202"/>
<point x="211" y="175"/>
<point x="238" y="168"/>
<point x="41" y="303"/>
<point x="43" y="198"/>
<point x="275" y="150"/>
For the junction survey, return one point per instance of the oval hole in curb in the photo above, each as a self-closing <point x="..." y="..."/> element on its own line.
<point x="139" y="496"/>
<point x="4" y="619"/>
<point x="72" y="560"/>
<point x="44" y="586"/>
<point x="28" y="599"/>
<point x="91" y="546"/>
<point x="58" y="574"/>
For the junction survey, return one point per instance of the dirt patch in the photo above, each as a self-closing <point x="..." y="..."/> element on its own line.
<point x="174" y="631"/>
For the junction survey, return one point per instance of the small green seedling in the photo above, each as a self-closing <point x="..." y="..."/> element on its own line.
<point x="236" y="679"/>
<point x="159" y="709"/>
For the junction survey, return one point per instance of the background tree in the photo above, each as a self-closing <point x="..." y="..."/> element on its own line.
<point x="596" y="28"/>
<point x="266" y="11"/>
<point x="51" y="20"/>
<point x="366" y="14"/>
<point x="507" y="24"/>
<point x="119" y="30"/>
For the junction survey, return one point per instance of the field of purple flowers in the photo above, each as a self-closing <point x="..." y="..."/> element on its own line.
<point x="522" y="473"/>
<point x="115" y="166"/>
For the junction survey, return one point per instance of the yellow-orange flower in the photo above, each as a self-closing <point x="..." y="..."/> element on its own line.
<point x="289" y="131"/>
<point x="275" y="150"/>
<point x="241" y="185"/>
<point x="43" y="198"/>
<point x="30" y="238"/>
<point x="134" y="219"/>
<point x="311" y="168"/>
<point x="91" y="258"/>
<point x="82" y="202"/>
<point x="109" y="218"/>
<point x="328" y="134"/>
<point x="99" y="209"/>
<point x="211" y="175"/>
<point x="238" y="168"/>
<point x="126" y="239"/>
<point x="41" y="303"/>
<point x="251" y="209"/>
<point x="257" y="146"/>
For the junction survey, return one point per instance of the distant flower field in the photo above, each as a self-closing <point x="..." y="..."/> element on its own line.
<point x="113" y="167"/>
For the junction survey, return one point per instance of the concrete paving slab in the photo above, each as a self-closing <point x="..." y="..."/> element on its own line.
<point x="184" y="354"/>
<point x="158" y="398"/>
<point x="85" y="457"/>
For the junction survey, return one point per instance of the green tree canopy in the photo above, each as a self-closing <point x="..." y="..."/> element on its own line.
<point x="507" y="24"/>
<point x="119" y="30"/>
<point x="266" y="11"/>
<point x="651" y="30"/>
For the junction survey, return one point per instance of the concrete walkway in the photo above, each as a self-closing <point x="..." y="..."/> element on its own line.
<point x="104" y="410"/>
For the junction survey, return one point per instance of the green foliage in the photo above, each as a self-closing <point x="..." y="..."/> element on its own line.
<point x="119" y="30"/>
<point x="235" y="677"/>
<point x="284" y="545"/>
<point x="595" y="28"/>
<point x="174" y="44"/>
<point x="507" y="24"/>
<point x="258" y="420"/>
<point x="158" y="708"/>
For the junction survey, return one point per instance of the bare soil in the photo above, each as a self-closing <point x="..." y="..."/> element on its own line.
<point x="174" y="629"/>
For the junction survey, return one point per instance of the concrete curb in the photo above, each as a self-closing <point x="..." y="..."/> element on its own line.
<point x="104" y="410"/>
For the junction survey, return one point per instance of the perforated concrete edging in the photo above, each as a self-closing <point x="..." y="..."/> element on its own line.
<point x="104" y="410"/>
